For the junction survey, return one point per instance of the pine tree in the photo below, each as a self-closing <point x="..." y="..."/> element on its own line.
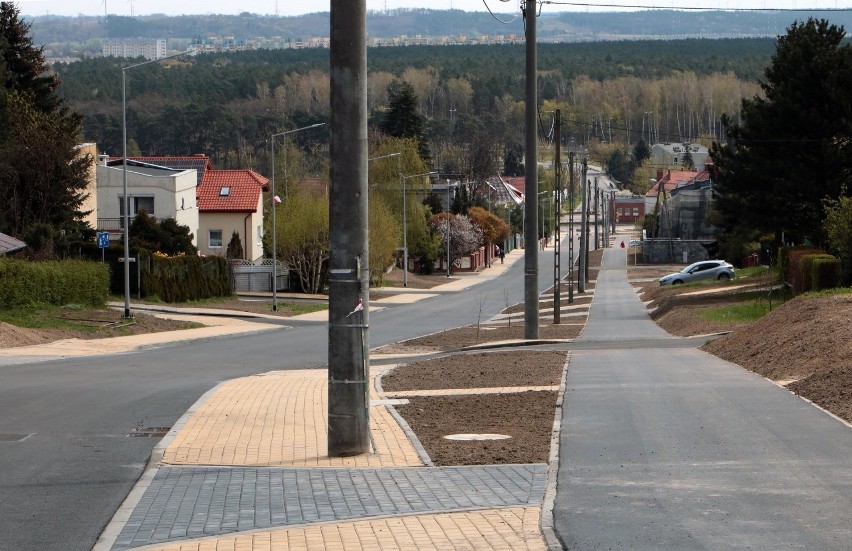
<point x="42" y="175"/>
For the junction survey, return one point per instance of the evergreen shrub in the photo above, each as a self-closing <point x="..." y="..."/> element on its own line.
<point x="183" y="278"/>
<point x="805" y="269"/>
<point x="54" y="282"/>
<point x="825" y="272"/>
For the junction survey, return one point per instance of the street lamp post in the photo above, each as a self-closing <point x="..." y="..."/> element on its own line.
<point x="273" y="202"/>
<point x="405" y="223"/>
<point x="125" y="200"/>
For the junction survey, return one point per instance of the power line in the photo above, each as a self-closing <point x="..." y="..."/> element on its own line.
<point x="690" y="8"/>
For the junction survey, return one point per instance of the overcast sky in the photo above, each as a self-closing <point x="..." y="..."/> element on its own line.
<point x="294" y="7"/>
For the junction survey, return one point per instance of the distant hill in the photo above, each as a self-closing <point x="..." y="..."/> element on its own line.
<point x="54" y="31"/>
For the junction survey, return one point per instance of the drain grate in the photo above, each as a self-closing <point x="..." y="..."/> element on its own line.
<point x="149" y="432"/>
<point x="6" y="437"/>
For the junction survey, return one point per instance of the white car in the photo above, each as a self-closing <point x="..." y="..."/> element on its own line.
<point x="699" y="271"/>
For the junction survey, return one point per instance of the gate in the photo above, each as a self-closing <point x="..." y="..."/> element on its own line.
<point x="256" y="276"/>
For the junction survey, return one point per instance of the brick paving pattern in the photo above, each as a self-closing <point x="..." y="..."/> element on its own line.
<point x="194" y="502"/>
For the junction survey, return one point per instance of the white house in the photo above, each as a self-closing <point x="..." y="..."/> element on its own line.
<point x="161" y="192"/>
<point x="671" y="155"/>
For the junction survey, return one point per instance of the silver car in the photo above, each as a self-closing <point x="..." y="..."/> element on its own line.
<point x="699" y="271"/>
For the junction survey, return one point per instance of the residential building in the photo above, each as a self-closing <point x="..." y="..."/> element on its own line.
<point x="673" y="155"/>
<point x="629" y="208"/>
<point x="231" y="201"/>
<point x="670" y="180"/>
<point x="160" y="191"/>
<point x="149" y="48"/>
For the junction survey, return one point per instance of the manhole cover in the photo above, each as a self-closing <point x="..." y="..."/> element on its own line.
<point x="14" y="437"/>
<point x="149" y="432"/>
<point x="477" y="437"/>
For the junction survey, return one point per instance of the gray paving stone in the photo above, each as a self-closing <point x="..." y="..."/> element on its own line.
<point x="192" y="502"/>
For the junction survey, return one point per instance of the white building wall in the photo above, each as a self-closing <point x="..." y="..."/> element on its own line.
<point x="174" y="195"/>
<point x="245" y="224"/>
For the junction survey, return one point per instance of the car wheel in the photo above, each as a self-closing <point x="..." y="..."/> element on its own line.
<point x="724" y="277"/>
<point x="677" y="282"/>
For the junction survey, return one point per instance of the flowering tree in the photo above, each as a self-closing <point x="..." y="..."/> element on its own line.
<point x="465" y="237"/>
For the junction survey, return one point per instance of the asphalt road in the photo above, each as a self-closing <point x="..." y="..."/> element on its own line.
<point x="666" y="447"/>
<point x="62" y="485"/>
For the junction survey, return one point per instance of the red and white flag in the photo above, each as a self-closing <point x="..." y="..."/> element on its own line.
<point x="358" y="307"/>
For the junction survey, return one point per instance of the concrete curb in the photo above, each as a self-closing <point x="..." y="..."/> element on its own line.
<point x="547" y="505"/>
<point x="114" y="527"/>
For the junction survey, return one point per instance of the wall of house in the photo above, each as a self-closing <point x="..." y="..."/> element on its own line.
<point x="680" y="251"/>
<point x="627" y="209"/>
<point x="228" y="223"/>
<point x="174" y="195"/>
<point x="90" y="203"/>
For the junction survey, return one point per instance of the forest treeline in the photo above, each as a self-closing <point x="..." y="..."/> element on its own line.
<point x="227" y="105"/>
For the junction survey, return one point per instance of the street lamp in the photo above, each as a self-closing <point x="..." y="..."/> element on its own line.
<point x="405" y="223"/>
<point x="274" y="201"/>
<point x="126" y="200"/>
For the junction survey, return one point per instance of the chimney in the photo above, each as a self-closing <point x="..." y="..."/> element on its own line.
<point x="660" y="173"/>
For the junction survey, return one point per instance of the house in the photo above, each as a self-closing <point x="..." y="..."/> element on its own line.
<point x="629" y="208"/>
<point x="231" y="201"/>
<point x="89" y="206"/>
<point x="160" y="191"/>
<point x="672" y="155"/>
<point x="212" y="203"/>
<point x="9" y="244"/>
<point x="670" y="180"/>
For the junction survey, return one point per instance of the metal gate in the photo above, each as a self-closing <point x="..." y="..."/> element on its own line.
<point x="256" y="276"/>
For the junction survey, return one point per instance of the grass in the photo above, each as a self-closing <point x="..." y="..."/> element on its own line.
<point x="50" y="317"/>
<point x="298" y="308"/>
<point x="738" y="313"/>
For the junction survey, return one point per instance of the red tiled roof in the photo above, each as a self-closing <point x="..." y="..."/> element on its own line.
<point x="517" y="182"/>
<point x="243" y="195"/>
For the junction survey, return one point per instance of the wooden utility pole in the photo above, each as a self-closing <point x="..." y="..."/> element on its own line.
<point x="531" y="179"/>
<point x="349" y="275"/>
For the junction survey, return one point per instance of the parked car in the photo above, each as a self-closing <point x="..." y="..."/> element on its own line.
<point x="699" y="271"/>
<point x="634" y="243"/>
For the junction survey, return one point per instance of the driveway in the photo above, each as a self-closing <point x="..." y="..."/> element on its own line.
<point x="664" y="446"/>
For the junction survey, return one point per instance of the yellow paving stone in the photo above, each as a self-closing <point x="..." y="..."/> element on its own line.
<point x="279" y="419"/>
<point x="509" y="529"/>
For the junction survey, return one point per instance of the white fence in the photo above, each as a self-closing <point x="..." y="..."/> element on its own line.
<point x="257" y="276"/>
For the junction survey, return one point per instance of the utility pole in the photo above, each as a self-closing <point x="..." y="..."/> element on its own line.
<point x="557" y="234"/>
<point x="531" y="179"/>
<point x="571" y="227"/>
<point x="584" y="219"/>
<point x="597" y="215"/>
<point x="349" y="275"/>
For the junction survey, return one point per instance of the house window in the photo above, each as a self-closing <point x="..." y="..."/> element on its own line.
<point x="137" y="204"/>
<point x="635" y="211"/>
<point x="214" y="239"/>
<point x="225" y="191"/>
<point x="618" y="211"/>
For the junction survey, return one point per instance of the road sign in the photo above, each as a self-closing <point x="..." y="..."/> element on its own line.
<point x="103" y="240"/>
<point x="121" y="259"/>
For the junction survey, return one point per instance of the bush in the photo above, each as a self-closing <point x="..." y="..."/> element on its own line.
<point x="56" y="282"/>
<point x="183" y="278"/>
<point x="825" y="272"/>
<point x="790" y="269"/>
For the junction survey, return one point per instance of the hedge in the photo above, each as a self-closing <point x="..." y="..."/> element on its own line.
<point x="789" y="264"/>
<point x="58" y="283"/>
<point x="183" y="278"/>
<point x="825" y="272"/>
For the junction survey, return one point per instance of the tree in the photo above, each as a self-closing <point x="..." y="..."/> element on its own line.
<point x="302" y="238"/>
<point x="403" y="119"/>
<point x="641" y="152"/>
<point x="512" y="161"/>
<point x="166" y="236"/>
<point x="43" y="177"/>
<point x="464" y="236"/>
<point x="384" y="238"/>
<point x="235" y="247"/>
<point x="494" y="229"/>
<point x="793" y="146"/>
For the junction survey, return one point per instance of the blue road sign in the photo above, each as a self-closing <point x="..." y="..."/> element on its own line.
<point x="103" y="240"/>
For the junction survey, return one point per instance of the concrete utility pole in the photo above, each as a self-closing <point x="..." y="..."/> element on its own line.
<point x="531" y="181"/>
<point x="584" y="220"/>
<point x="349" y="276"/>
<point x="557" y="234"/>
<point x="571" y="228"/>
<point x="597" y="214"/>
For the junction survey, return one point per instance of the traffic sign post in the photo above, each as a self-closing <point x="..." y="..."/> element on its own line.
<point x="103" y="243"/>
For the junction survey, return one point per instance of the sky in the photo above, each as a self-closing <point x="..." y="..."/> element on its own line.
<point x="294" y="7"/>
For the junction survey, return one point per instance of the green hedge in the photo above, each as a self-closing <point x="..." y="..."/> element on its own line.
<point x="183" y="278"/>
<point x="790" y="268"/>
<point x="58" y="283"/>
<point x="825" y="272"/>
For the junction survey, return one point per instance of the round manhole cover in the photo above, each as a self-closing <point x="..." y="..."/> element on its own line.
<point x="477" y="436"/>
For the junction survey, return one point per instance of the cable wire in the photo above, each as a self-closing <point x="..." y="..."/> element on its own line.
<point x="487" y="7"/>
<point x="689" y="8"/>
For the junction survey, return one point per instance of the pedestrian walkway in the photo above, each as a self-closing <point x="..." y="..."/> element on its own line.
<point x="671" y="448"/>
